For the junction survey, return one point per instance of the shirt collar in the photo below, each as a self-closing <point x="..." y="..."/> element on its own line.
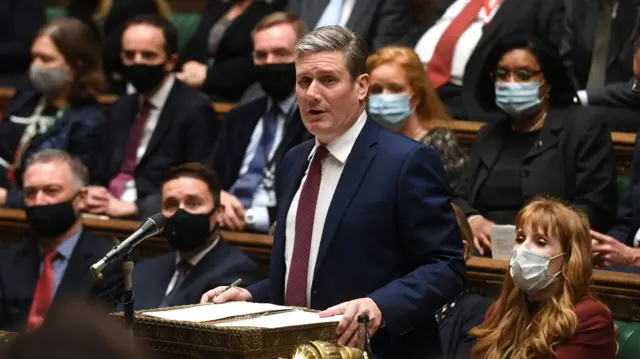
<point x="341" y="146"/>
<point x="285" y="105"/>
<point x="159" y="98"/>
<point x="198" y="257"/>
<point x="65" y="249"/>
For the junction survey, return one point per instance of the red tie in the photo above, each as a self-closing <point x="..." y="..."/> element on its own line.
<point x="117" y="184"/>
<point x="296" y="294"/>
<point x="43" y="295"/>
<point x="439" y="68"/>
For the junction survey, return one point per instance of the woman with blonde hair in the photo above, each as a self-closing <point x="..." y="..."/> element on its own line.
<point x="402" y="98"/>
<point x="545" y="309"/>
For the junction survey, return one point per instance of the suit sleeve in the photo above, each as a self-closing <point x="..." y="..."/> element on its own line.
<point x="431" y="242"/>
<point x="551" y="20"/>
<point x="625" y="210"/>
<point x="466" y="183"/>
<point x="28" y="17"/>
<point x="567" y="44"/>
<point x="393" y="25"/>
<point x="595" y="336"/>
<point x="85" y="140"/>
<point x="219" y="155"/>
<point x="201" y="132"/>
<point x="619" y="94"/>
<point x="596" y="189"/>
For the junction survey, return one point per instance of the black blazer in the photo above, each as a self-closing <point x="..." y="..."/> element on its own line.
<point x="186" y="132"/>
<point x="628" y="221"/>
<point x="221" y="266"/>
<point x="19" y="272"/>
<point x="572" y="159"/>
<point x="20" y="21"/>
<point x="232" y="72"/>
<point x="581" y="18"/>
<point x="235" y="135"/>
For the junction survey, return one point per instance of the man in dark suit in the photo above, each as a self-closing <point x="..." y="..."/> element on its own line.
<point x="52" y="266"/>
<point x="164" y="124"/>
<point x="379" y="23"/>
<point x="191" y="203"/>
<point x="365" y="224"/>
<point x="255" y="136"/>
<point x="459" y="35"/>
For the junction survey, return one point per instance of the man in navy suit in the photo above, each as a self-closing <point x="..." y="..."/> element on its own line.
<point x="191" y="203"/>
<point x="53" y="266"/>
<point x="365" y="224"/>
<point x="255" y="136"/>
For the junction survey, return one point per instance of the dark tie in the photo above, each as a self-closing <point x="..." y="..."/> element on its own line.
<point x="117" y="184"/>
<point x="182" y="270"/>
<point x="43" y="295"/>
<point x="296" y="294"/>
<point x="439" y="67"/>
<point x="246" y="185"/>
<point x="597" y="71"/>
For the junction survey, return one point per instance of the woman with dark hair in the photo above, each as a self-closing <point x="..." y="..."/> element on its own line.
<point x="60" y="111"/>
<point x="542" y="145"/>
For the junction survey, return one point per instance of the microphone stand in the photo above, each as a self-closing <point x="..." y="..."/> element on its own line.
<point x="128" y="297"/>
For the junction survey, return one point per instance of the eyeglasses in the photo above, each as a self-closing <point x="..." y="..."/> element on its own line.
<point x="519" y="74"/>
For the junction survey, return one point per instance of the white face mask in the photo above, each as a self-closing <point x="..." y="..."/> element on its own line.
<point x="529" y="270"/>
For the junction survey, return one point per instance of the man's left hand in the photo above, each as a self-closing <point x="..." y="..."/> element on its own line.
<point x="194" y="74"/>
<point x="348" y="327"/>
<point x="614" y="252"/>
<point x="114" y="207"/>
<point x="3" y="196"/>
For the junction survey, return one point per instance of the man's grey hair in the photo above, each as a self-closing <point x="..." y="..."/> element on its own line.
<point x="78" y="169"/>
<point x="337" y="38"/>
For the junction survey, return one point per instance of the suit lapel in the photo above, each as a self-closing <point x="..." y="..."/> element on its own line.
<point x="167" y="116"/>
<point x="592" y="11"/>
<point x="77" y="271"/>
<point x="121" y="138"/>
<point x="504" y="12"/>
<point x="163" y="272"/>
<point x="622" y="28"/>
<point x="27" y="265"/>
<point x="293" y="129"/>
<point x="548" y="137"/>
<point x="358" y="162"/>
<point x="316" y="9"/>
<point x="491" y="146"/>
<point x="361" y="10"/>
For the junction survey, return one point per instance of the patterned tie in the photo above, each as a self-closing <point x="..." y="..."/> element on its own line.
<point x="332" y="14"/>
<point x="245" y="186"/>
<point x="43" y="295"/>
<point x="439" y="68"/>
<point x="182" y="270"/>
<point x="118" y="183"/>
<point x="296" y="294"/>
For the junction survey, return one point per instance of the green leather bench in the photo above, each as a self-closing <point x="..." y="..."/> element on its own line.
<point x="186" y="22"/>
<point x="628" y="340"/>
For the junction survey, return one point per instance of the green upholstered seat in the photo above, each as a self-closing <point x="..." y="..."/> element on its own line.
<point x="54" y="12"/>
<point x="628" y="340"/>
<point x="623" y="183"/>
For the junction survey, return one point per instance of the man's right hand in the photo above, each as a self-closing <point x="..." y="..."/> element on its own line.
<point x="481" y="229"/>
<point x="235" y="294"/>
<point x="233" y="216"/>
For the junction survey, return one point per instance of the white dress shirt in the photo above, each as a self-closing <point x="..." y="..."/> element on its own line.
<point x="332" y="166"/>
<point x="130" y="194"/>
<point x="347" y="9"/>
<point x="263" y="198"/>
<point x="193" y="262"/>
<point x="466" y="43"/>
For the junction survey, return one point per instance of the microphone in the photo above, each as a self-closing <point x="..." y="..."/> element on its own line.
<point x="150" y="227"/>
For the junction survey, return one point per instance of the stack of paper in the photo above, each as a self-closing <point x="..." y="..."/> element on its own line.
<point x="211" y="312"/>
<point x="281" y="320"/>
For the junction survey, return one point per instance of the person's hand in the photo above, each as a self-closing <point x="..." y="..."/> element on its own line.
<point x="613" y="252"/>
<point x="481" y="229"/>
<point x="97" y="200"/>
<point x="347" y="330"/>
<point x="233" y="216"/>
<point x="193" y="73"/>
<point x="3" y="196"/>
<point x="235" y="294"/>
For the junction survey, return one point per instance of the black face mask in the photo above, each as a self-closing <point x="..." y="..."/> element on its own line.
<point x="186" y="231"/>
<point x="51" y="220"/>
<point x="144" y="77"/>
<point x="277" y="80"/>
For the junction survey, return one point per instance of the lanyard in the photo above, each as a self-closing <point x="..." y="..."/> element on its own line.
<point x="268" y="178"/>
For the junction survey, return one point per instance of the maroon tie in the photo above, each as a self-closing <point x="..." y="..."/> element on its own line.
<point x="296" y="294"/>
<point x="117" y="184"/>
<point x="43" y="295"/>
<point x="439" y="68"/>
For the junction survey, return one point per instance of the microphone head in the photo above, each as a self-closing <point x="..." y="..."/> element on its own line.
<point x="159" y="220"/>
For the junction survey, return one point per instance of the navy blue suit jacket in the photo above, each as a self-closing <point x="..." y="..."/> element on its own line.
<point x="390" y="235"/>
<point x="628" y="220"/>
<point x="221" y="266"/>
<point x="19" y="272"/>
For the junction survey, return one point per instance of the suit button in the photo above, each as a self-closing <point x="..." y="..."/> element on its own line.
<point x="538" y="144"/>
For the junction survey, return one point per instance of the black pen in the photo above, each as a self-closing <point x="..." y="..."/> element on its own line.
<point x="233" y="285"/>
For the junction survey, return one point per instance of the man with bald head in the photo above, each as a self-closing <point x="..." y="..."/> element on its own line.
<point x="365" y="224"/>
<point x="52" y="266"/>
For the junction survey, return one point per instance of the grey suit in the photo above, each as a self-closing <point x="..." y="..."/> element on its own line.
<point x="378" y="22"/>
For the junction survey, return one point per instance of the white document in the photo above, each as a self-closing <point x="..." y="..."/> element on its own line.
<point x="210" y="312"/>
<point x="281" y="320"/>
<point x="503" y="239"/>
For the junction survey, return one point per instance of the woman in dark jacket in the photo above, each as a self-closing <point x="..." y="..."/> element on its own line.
<point x="542" y="146"/>
<point x="60" y="111"/>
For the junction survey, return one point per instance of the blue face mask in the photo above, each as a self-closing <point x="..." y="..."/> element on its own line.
<point x="390" y="110"/>
<point x="519" y="100"/>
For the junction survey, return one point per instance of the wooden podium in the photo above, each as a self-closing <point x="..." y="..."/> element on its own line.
<point x="172" y="339"/>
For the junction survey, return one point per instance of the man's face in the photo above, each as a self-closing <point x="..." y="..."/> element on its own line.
<point x="329" y="99"/>
<point x="275" y="45"/>
<point x="145" y="44"/>
<point x="189" y="194"/>
<point x="51" y="183"/>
